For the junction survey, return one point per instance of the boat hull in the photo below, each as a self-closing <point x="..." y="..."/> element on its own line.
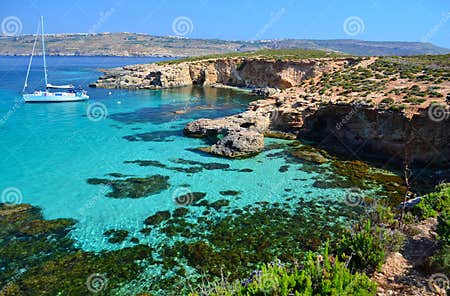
<point x="43" y="97"/>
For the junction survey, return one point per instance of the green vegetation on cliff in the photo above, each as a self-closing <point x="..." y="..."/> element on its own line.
<point x="437" y="204"/>
<point x="434" y="202"/>
<point x="272" y="54"/>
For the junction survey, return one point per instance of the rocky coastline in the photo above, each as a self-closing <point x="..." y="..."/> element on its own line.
<point x="294" y="108"/>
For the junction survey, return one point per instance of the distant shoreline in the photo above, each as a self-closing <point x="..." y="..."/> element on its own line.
<point x="132" y="44"/>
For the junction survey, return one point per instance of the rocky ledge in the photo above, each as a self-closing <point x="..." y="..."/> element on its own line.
<point x="395" y="108"/>
<point x="378" y="117"/>
<point x="360" y="128"/>
<point x="242" y="72"/>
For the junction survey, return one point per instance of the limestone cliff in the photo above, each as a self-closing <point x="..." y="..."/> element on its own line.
<point x="384" y="107"/>
<point x="362" y="130"/>
<point x="242" y="72"/>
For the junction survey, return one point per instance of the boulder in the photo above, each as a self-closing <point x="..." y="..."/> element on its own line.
<point x="239" y="144"/>
<point x="254" y="120"/>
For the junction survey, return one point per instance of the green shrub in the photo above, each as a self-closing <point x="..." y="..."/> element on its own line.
<point x="443" y="228"/>
<point x="395" y="108"/>
<point x="387" y="101"/>
<point x="408" y="218"/>
<point x="381" y="214"/>
<point x="365" y="248"/>
<point x="433" y="203"/>
<point x="321" y="275"/>
<point x="393" y="240"/>
<point x="414" y="100"/>
<point x="440" y="261"/>
<point x="276" y="54"/>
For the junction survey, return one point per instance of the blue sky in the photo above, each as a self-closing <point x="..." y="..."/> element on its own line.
<point x="400" y="20"/>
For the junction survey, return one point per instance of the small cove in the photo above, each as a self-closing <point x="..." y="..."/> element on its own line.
<point x="51" y="151"/>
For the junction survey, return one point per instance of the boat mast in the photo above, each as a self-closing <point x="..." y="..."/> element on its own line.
<point x="31" y="57"/>
<point x="43" y="51"/>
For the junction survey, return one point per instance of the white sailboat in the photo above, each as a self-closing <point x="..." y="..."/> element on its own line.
<point x="52" y="93"/>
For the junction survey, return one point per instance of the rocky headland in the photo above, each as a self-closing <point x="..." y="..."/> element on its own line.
<point x="394" y="108"/>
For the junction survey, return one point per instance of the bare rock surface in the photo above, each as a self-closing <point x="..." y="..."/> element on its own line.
<point x="239" y="144"/>
<point x="402" y="274"/>
<point x="294" y="107"/>
<point x="265" y="76"/>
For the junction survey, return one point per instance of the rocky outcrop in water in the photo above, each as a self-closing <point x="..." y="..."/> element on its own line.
<point x="361" y="129"/>
<point x="366" y="105"/>
<point x="239" y="143"/>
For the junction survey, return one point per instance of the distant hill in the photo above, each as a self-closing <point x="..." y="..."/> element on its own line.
<point x="132" y="44"/>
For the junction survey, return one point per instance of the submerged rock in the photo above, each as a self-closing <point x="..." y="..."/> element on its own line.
<point x="43" y="228"/>
<point x="229" y="192"/>
<point x="219" y="204"/>
<point x="44" y="260"/>
<point x="117" y="175"/>
<point x="283" y="168"/>
<point x="235" y="243"/>
<point x="155" y="163"/>
<point x="180" y="212"/>
<point x="145" y="163"/>
<point x="157" y="218"/>
<point x="134" y="240"/>
<point x="116" y="236"/>
<point x="134" y="187"/>
<point x="239" y="144"/>
<point x="308" y="154"/>
<point x="280" y="135"/>
<point x="191" y="198"/>
<point x="157" y="136"/>
<point x="205" y="165"/>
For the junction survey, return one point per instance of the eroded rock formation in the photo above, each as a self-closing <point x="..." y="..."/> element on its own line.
<point x="253" y="73"/>
<point x="363" y="104"/>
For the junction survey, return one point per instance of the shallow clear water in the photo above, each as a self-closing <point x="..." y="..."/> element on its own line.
<point x="48" y="151"/>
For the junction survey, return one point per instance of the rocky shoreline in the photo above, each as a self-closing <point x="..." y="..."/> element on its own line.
<point x="293" y="108"/>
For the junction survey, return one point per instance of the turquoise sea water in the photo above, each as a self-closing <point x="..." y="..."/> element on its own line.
<point x="279" y="204"/>
<point x="48" y="151"/>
